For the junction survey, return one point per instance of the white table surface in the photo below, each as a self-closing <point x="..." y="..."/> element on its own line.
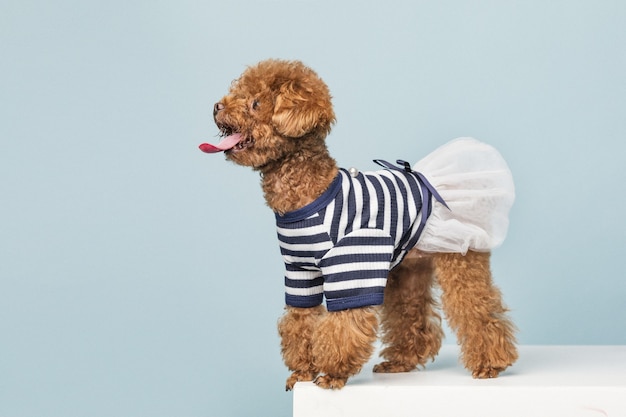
<point x="567" y="381"/>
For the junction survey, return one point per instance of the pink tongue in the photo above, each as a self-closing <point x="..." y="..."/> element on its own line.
<point x="225" y="144"/>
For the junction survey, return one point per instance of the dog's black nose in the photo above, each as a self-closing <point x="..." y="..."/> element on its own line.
<point x="218" y="107"/>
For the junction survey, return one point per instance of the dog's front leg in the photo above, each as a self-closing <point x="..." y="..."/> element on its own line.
<point x="342" y="343"/>
<point x="296" y="329"/>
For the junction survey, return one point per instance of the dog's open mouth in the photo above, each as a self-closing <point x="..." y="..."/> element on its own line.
<point x="234" y="142"/>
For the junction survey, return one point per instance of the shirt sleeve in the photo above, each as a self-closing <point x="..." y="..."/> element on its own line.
<point x="303" y="286"/>
<point x="355" y="270"/>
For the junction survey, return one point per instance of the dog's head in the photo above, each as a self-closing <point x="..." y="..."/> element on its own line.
<point x="270" y="111"/>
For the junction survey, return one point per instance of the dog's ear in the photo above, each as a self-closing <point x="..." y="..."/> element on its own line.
<point x="303" y="105"/>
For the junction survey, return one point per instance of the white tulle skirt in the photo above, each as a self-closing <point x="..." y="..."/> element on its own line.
<point x="476" y="184"/>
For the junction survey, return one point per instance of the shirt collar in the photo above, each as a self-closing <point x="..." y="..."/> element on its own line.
<point x="315" y="206"/>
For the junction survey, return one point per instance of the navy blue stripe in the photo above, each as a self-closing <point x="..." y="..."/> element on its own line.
<point x="334" y="227"/>
<point x="364" y="274"/>
<point x="302" y="224"/>
<point x="365" y="210"/>
<point x="331" y="295"/>
<point x="405" y="214"/>
<point x="298" y="253"/>
<point x="302" y="266"/>
<point x="414" y="237"/>
<point x="379" y="196"/>
<point x="394" y="205"/>
<point x="351" y="209"/>
<point x="365" y="300"/>
<point x="405" y="207"/>
<point x="303" y="240"/>
<point x="356" y="257"/>
<point x="304" y="301"/>
<point x="408" y="199"/>
<point x="349" y="212"/>
<point x="415" y="190"/>
<point x="303" y="283"/>
<point x="365" y="241"/>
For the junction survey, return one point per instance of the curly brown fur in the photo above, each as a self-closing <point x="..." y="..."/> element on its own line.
<point x="342" y="343"/>
<point x="296" y="329"/>
<point x="283" y="112"/>
<point x="474" y="309"/>
<point x="411" y="325"/>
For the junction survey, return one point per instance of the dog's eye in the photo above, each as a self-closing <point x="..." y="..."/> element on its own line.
<point x="255" y="105"/>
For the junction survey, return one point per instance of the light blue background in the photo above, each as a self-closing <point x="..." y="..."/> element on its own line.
<point x="141" y="277"/>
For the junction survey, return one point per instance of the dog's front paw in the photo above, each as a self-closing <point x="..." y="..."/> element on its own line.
<point x="330" y="382"/>
<point x="299" y="376"/>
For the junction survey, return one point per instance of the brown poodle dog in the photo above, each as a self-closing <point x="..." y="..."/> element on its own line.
<point x="275" y="119"/>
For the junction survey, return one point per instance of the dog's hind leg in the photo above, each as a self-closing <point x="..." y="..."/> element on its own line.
<point x="410" y="322"/>
<point x="474" y="309"/>
<point x="296" y="329"/>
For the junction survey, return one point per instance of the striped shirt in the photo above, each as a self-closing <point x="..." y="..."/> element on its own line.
<point x="343" y="244"/>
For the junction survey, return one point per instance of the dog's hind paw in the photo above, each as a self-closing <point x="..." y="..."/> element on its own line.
<point x="299" y="376"/>
<point x="389" y="367"/>
<point x="330" y="382"/>
<point x="487" y="372"/>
